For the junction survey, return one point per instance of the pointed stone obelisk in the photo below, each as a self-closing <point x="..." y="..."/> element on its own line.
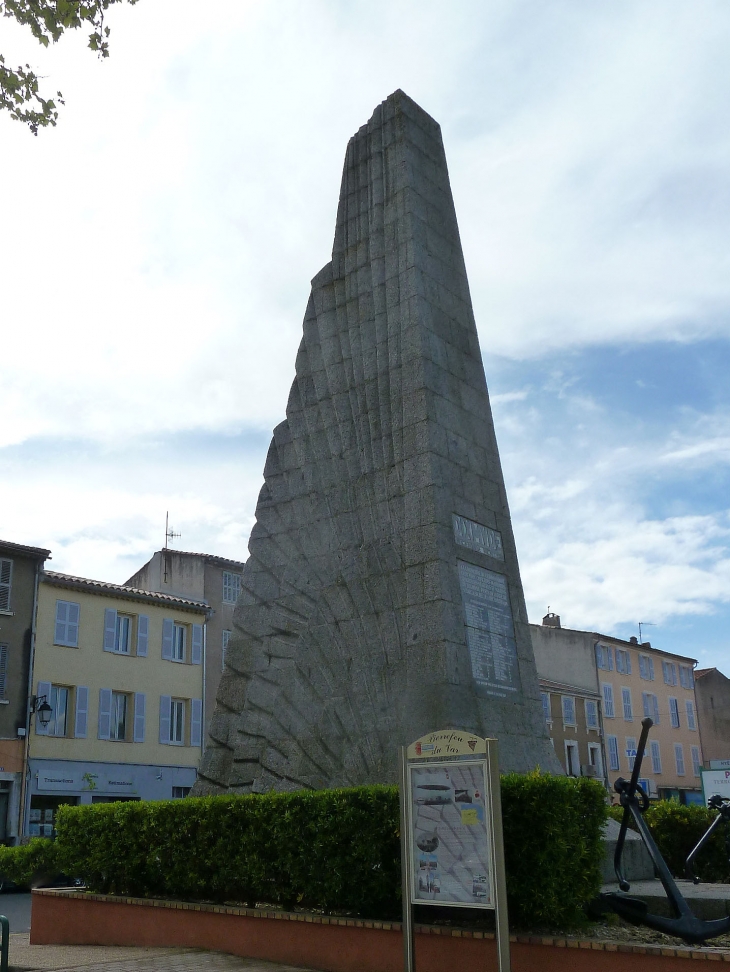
<point x="382" y="597"/>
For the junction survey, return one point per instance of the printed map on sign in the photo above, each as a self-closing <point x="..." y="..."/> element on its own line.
<point x="451" y="846"/>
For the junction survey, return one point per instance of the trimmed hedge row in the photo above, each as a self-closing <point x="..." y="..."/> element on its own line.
<point x="676" y="830"/>
<point x="330" y="850"/>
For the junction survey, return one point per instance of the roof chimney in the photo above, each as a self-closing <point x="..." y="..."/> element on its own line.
<point x="551" y="620"/>
<point x="633" y="640"/>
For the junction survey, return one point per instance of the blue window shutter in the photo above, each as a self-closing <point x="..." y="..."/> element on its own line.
<point x="110" y="630"/>
<point x="143" y="634"/>
<point x="105" y="713"/>
<point x="44" y="688"/>
<point x="82" y="711"/>
<point x="168" y="633"/>
<point x="196" y="655"/>
<point x="140" y="701"/>
<point x="165" y="710"/>
<point x="59" y="635"/>
<point x="196" y="722"/>
<point x="72" y="624"/>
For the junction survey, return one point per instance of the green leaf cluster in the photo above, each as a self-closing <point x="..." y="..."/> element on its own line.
<point x="47" y="20"/>
<point x="30" y="863"/>
<point x="328" y="850"/>
<point x="676" y="829"/>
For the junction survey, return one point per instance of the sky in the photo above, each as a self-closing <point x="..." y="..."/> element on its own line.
<point x="158" y="246"/>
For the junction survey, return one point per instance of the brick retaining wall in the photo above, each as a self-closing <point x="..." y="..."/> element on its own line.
<point x="61" y="917"/>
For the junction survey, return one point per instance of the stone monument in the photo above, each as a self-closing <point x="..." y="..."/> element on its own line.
<point x="382" y="596"/>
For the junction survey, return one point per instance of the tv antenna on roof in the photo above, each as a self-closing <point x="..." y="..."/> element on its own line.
<point x="645" y="624"/>
<point x="169" y="535"/>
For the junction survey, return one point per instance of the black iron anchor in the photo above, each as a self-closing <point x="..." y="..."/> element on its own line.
<point x="722" y="805"/>
<point x="685" y="924"/>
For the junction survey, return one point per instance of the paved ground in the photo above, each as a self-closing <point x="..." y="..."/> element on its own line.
<point x="54" y="958"/>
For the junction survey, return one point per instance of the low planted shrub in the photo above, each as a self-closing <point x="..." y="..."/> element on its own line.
<point x="31" y="863"/>
<point x="329" y="850"/>
<point x="553" y="830"/>
<point x="677" y="829"/>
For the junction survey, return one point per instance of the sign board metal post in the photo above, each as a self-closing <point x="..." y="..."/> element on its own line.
<point x="452" y="850"/>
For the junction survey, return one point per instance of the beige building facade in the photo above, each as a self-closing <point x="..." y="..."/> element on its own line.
<point x="712" y="689"/>
<point x="630" y="681"/>
<point x="204" y="577"/>
<point x="122" y="671"/>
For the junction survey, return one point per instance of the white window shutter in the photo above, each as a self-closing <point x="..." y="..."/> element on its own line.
<point x="105" y="713"/>
<point x="3" y="670"/>
<point x="196" y="722"/>
<point x="168" y="633"/>
<point x="82" y="711"/>
<point x="655" y="708"/>
<point x="165" y="709"/>
<point x="44" y="688"/>
<point x="72" y="624"/>
<point x="59" y="635"/>
<point x="140" y="704"/>
<point x="196" y="655"/>
<point x="143" y="634"/>
<point x="110" y="629"/>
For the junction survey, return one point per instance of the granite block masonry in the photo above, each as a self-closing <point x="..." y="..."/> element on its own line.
<point x="382" y="596"/>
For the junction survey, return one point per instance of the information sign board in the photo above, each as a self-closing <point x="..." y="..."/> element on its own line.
<point x="451" y="830"/>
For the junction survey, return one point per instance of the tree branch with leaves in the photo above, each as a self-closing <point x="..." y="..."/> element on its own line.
<point x="47" y="20"/>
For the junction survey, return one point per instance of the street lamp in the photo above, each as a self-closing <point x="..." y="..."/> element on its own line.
<point x="42" y="709"/>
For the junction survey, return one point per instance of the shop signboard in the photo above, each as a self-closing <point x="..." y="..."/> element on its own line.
<point x="715" y="782"/>
<point x="451" y="830"/>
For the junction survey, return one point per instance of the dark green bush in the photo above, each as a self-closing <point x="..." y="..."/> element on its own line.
<point x="32" y="862"/>
<point x="334" y="850"/>
<point x="676" y="830"/>
<point x="553" y="847"/>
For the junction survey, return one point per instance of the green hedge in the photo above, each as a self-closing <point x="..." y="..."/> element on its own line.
<point x="676" y="830"/>
<point x="330" y="850"/>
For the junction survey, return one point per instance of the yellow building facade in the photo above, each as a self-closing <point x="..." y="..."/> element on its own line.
<point x="122" y="672"/>
<point x="636" y="681"/>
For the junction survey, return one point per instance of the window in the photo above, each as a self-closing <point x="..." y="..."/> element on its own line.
<point x="66" y="630"/>
<point x="594" y="758"/>
<point x="612" y="742"/>
<point x="572" y="763"/>
<point x="690" y="707"/>
<point x="227" y="638"/>
<point x="695" y="750"/>
<point x="3" y="670"/>
<point x="568" y="710"/>
<point x="604" y="657"/>
<point x="231" y="587"/>
<point x="180" y="792"/>
<point x="651" y="706"/>
<point x="669" y="671"/>
<point x="591" y="714"/>
<point x="674" y="713"/>
<point x="177" y="722"/>
<point x="631" y="751"/>
<point x="626" y="701"/>
<point x="58" y="701"/>
<point x="646" y="668"/>
<point x="118" y="724"/>
<point x="679" y="758"/>
<point x="178" y="643"/>
<point x="608" y="710"/>
<point x="686" y="677"/>
<point x="123" y="634"/>
<point x="656" y="759"/>
<point x="6" y="578"/>
<point x="623" y="661"/>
